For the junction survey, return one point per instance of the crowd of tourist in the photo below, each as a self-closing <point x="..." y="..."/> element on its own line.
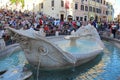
<point x="29" y="20"/>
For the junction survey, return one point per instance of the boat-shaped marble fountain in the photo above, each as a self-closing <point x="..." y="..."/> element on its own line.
<point x="59" y="52"/>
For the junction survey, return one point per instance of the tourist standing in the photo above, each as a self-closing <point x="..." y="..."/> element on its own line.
<point x="113" y="29"/>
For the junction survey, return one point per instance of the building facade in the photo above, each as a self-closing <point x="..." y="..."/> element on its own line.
<point x="59" y="9"/>
<point x="110" y="12"/>
<point x="83" y="10"/>
<point x="118" y="18"/>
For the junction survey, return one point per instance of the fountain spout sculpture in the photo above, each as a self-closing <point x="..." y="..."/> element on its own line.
<point x="59" y="54"/>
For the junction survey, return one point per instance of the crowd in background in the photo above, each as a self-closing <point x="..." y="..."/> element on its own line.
<point x="29" y="20"/>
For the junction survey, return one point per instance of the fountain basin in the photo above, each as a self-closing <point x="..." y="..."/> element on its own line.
<point x="53" y="53"/>
<point x="8" y="50"/>
<point x="104" y="66"/>
<point x="16" y="73"/>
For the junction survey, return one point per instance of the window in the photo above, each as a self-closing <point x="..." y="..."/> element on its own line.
<point x="107" y="4"/>
<point x="101" y="1"/>
<point x="52" y="8"/>
<point x="90" y="8"/>
<point x="93" y="9"/>
<point x="81" y="18"/>
<point x="111" y="6"/>
<point x="85" y="18"/>
<point x="104" y="2"/>
<point x="76" y="6"/>
<point x="82" y="1"/>
<point x="62" y="3"/>
<point x="41" y="5"/>
<point x="97" y="10"/>
<point x="86" y="8"/>
<point x="100" y="11"/>
<point x="107" y="12"/>
<point x="77" y="18"/>
<point x="98" y="1"/>
<point x="82" y="7"/>
<point x="52" y="3"/>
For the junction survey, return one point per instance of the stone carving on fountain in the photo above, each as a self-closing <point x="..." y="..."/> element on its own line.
<point x="86" y="32"/>
<point x="7" y="50"/>
<point x="40" y="50"/>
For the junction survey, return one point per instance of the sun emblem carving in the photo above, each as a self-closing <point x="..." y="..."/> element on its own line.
<point x="43" y="50"/>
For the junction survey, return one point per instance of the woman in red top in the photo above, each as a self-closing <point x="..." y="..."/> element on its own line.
<point x="46" y="29"/>
<point x="40" y="21"/>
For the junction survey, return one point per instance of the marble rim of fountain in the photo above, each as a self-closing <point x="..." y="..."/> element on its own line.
<point x="115" y="41"/>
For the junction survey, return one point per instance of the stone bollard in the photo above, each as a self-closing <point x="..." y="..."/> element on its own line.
<point x="2" y="44"/>
<point x="57" y="33"/>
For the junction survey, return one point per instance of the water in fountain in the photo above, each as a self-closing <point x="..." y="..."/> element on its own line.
<point x="78" y="46"/>
<point x="105" y="66"/>
<point x="15" y="59"/>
